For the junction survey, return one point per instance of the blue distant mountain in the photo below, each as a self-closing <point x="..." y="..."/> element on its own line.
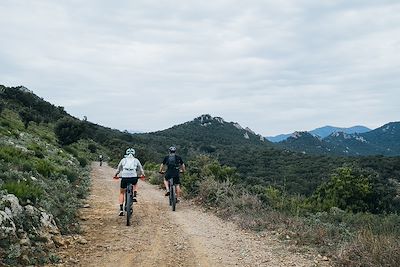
<point x="322" y="132"/>
<point x="384" y="140"/>
<point x="328" y="130"/>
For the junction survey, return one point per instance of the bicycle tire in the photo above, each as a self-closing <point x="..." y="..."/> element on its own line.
<point x="170" y="191"/>
<point x="128" y="205"/>
<point x="173" y="197"/>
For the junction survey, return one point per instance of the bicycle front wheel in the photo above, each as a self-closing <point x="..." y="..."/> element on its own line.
<point x="129" y="210"/>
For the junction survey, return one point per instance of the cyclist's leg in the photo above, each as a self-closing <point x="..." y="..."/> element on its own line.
<point x="122" y="195"/>
<point x="134" y="188"/>
<point x="166" y="186"/>
<point x="177" y="183"/>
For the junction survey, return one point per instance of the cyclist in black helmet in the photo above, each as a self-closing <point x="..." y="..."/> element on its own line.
<point x="173" y="165"/>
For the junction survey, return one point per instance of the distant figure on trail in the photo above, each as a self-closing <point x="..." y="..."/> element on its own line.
<point x="174" y="165"/>
<point x="101" y="159"/>
<point x="128" y="169"/>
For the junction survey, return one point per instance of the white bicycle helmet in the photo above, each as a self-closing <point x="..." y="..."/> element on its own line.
<point x="130" y="151"/>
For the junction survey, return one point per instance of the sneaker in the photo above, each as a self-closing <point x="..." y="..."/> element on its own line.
<point x="134" y="199"/>
<point x="177" y="200"/>
<point x="121" y="213"/>
<point x="167" y="194"/>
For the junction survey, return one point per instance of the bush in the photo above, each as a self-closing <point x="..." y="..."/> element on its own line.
<point x="349" y="188"/>
<point x="44" y="167"/>
<point x="24" y="190"/>
<point x="71" y="175"/>
<point x="370" y="250"/>
<point x="37" y="150"/>
<point x="68" y="131"/>
<point x="28" y="115"/>
<point x="82" y="161"/>
<point x="92" y="148"/>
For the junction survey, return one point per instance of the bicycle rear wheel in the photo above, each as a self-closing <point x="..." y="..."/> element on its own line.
<point x="173" y="198"/>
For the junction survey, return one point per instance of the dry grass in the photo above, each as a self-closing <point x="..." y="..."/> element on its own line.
<point x="369" y="250"/>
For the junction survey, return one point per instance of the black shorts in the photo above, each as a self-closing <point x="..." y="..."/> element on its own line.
<point x="176" y="179"/>
<point x="131" y="180"/>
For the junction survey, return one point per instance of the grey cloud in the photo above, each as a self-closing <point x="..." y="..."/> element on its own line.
<point x="275" y="66"/>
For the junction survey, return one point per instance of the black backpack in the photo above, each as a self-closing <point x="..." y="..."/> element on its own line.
<point x="173" y="165"/>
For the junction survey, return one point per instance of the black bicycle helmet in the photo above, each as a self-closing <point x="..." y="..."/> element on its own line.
<point x="172" y="149"/>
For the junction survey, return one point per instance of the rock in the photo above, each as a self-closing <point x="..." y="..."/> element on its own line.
<point x="59" y="241"/>
<point x="48" y="223"/>
<point x="325" y="258"/>
<point x="25" y="242"/>
<point x="7" y="226"/>
<point x="12" y="206"/>
<point x="86" y="206"/>
<point x="82" y="241"/>
<point x="25" y="260"/>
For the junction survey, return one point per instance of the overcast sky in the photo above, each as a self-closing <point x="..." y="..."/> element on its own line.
<point x="273" y="66"/>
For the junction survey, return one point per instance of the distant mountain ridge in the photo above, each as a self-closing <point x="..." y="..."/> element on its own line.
<point x="384" y="140"/>
<point x="322" y="132"/>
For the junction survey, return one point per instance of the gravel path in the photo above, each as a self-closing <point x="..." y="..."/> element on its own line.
<point x="160" y="237"/>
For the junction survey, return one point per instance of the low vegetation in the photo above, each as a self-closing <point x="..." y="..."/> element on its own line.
<point x="337" y="219"/>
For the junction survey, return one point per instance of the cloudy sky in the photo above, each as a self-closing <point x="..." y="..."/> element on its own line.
<point x="274" y="66"/>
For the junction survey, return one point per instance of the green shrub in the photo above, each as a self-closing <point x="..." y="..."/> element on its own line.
<point x="71" y="150"/>
<point x="37" y="150"/>
<point x="5" y="124"/>
<point x="2" y="106"/>
<point x="68" y="131"/>
<point x="344" y="190"/>
<point x="155" y="178"/>
<point x="92" y="148"/>
<point x="71" y="175"/>
<point x="12" y="154"/>
<point x="82" y="161"/>
<point x="151" y="166"/>
<point x="44" y="167"/>
<point x="24" y="190"/>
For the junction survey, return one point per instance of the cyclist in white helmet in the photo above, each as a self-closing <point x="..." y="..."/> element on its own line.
<point x="128" y="169"/>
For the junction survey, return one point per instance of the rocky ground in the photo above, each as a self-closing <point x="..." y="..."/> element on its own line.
<point x="160" y="237"/>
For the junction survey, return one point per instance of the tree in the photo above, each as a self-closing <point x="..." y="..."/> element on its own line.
<point x="68" y="131"/>
<point x="348" y="189"/>
<point x="28" y="115"/>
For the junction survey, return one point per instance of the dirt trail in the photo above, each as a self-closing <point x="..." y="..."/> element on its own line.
<point x="160" y="237"/>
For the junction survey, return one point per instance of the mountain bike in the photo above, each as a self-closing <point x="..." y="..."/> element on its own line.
<point x="128" y="200"/>
<point x="172" y="192"/>
<point x="129" y="203"/>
